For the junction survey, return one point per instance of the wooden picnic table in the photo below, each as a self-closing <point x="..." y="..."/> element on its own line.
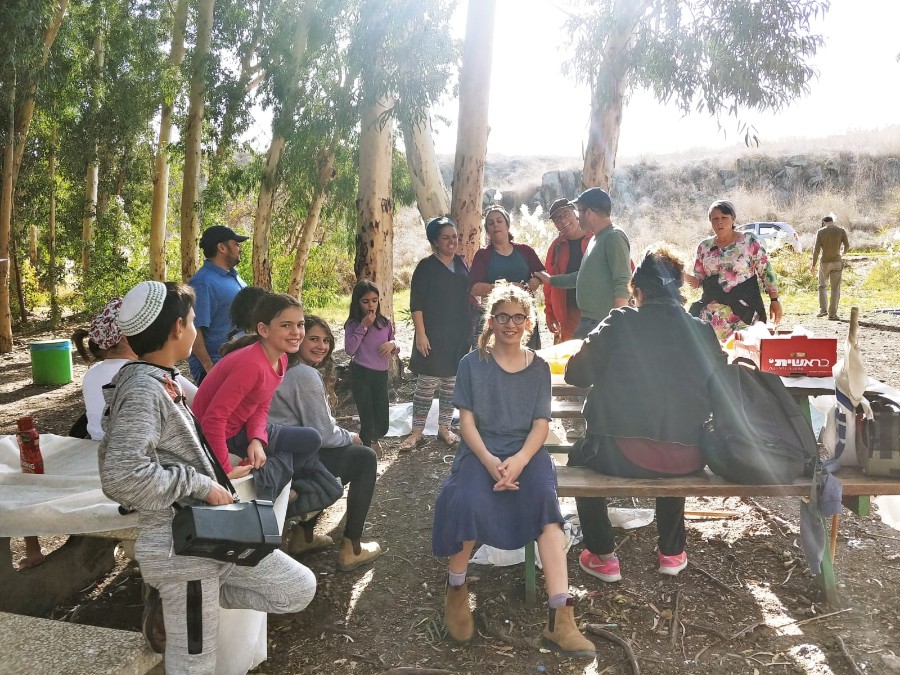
<point x="583" y="482"/>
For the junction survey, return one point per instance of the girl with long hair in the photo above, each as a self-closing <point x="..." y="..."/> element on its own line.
<point x="502" y="485"/>
<point x="303" y="398"/>
<point x="232" y="403"/>
<point x="369" y="341"/>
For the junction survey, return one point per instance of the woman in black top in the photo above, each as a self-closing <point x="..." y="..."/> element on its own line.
<point x="441" y="312"/>
<point x="649" y="368"/>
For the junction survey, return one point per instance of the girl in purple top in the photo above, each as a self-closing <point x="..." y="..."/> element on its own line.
<point x="370" y="343"/>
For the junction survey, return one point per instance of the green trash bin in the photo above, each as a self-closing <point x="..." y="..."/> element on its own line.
<point x="51" y="361"/>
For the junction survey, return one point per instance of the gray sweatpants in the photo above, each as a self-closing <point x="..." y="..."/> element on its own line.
<point x="278" y="584"/>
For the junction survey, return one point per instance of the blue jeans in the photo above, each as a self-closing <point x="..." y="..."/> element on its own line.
<point x="585" y="326"/>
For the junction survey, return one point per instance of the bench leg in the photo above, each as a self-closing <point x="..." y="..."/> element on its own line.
<point x="530" y="583"/>
<point x="860" y="505"/>
<point x="829" y="586"/>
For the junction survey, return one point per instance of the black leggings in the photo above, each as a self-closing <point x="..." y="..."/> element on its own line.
<point x="357" y="466"/>
<point x="370" y="392"/>
<point x="593" y="514"/>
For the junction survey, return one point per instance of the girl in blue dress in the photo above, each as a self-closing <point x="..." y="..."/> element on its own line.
<point x="502" y="485"/>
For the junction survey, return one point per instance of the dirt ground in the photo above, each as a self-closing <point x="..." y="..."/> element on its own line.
<point x="745" y="604"/>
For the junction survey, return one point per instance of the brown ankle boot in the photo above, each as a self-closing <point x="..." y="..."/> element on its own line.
<point x="457" y="615"/>
<point x="562" y="633"/>
<point x="298" y="543"/>
<point x="356" y="553"/>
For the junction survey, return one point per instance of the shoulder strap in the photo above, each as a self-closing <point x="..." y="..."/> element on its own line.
<point x="221" y="477"/>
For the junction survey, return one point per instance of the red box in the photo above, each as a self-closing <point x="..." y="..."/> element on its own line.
<point x="787" y="355"/>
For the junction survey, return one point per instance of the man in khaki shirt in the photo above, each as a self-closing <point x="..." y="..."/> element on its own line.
<point x="829" y="240"/>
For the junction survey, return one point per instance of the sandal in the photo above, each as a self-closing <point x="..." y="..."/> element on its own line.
<point x="411" y="442"/>
<point x="448" y="437"/>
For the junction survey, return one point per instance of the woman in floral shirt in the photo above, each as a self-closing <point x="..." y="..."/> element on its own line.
<point x="730" y="267"/>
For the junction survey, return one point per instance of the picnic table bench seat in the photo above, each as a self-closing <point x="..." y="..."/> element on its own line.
<point x="858" y="488"/>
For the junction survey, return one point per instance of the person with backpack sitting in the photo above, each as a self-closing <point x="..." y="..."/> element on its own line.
<point x="641" y="421"/>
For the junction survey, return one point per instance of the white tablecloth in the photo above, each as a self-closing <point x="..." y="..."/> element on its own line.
<point x="67" y="499"/>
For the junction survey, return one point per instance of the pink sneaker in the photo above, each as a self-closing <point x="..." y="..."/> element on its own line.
<point x="605" y="570"/>
<point x="672" y="564"/>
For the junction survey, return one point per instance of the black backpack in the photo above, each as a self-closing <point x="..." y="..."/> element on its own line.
<point x="758" y="434"/>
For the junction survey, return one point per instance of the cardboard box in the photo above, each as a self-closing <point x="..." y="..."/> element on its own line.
<point x="787" y="355"/>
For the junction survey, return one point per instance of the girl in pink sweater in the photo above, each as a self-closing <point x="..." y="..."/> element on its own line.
<point x="232" y="403"/>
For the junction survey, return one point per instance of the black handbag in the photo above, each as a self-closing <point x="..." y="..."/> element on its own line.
<point x="242" y="533"/>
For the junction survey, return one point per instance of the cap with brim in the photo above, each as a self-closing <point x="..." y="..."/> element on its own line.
<point x="558" y="205"/>
<point x="218" y="234"/>
<point x="594" y="198"/>
<point x="140" y="307"/>
<point x="104" y="330"/>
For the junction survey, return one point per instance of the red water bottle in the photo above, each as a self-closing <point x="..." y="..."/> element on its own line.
<point x="29" y="446"/>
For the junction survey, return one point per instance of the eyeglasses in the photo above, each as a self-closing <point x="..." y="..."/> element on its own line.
<point x="503" y="318"/>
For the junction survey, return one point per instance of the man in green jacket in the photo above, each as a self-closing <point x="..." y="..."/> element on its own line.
<point x="829" y="241"/>
<point x="601" y="283"/>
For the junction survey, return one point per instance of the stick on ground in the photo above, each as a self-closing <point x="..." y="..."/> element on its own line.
<point x="847" y="656"/>
<point x="623" y="643"/>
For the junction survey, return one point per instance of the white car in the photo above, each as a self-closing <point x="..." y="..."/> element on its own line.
<point x="773" y="235"/>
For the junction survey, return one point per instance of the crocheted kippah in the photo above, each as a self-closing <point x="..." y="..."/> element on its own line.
<point x="140" y="307"/>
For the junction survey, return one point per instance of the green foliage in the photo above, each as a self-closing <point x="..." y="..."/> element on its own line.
<point x="792" y="271"/>
<point x="117" y="260"/>
<point x="329" y="273"/>
<point x="886" y="273"/>
<point x="31" y="289"/>
<point x="716" y="57"/>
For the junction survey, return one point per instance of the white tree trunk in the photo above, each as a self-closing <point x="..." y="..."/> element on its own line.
<point x="421" y="157"/>
<point x="26" y="112"/>
<point x="262" y="222"/>
<point x="375" y="204"/>
<point x="159" y="207"/>
<point x="51" y="230"/>
<point x="472" y="130"/>
<point x="6" y="199"/>
<point x="190" y="221"/>
<point x="13" y="152"/>
<point x="304" y="244"/>
<point x="92" y="177"/>
<point x="608" y="99"/>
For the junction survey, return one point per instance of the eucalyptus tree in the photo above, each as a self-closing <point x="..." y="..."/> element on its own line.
<point x="29" y="28"/>
<point x="110" y="137"/>
<point x="291" y="47"/>
<point x="421" y="157"/>
<point x="170" y="86"/>
<point x="201" y="62"/>
<point x="407" y="55"/>
<point x="720" y="58"/>
<point x="472" y="125"/>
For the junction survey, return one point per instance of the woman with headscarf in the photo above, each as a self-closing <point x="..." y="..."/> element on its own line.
<point x="730" y="266"/>
<point x="502" y="259"/>
<point x="441" y="313"/>
<point x="110" y="351"/>
<point x="640" y="424"/>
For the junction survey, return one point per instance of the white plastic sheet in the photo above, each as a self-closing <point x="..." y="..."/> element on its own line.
<point x="400" y="419"/>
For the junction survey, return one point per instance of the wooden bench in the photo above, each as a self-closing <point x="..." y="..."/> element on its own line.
<point x="583" y="482"/>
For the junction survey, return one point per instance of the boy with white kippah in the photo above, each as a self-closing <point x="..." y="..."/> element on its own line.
<point x="151" y="458"/>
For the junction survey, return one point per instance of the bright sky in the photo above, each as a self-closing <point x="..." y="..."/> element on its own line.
<point x="535" y="110"/>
